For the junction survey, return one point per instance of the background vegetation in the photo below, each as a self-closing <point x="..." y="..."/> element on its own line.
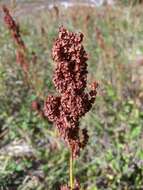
<point x="31" y="155"/>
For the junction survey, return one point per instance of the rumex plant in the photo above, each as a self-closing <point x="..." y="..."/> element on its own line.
<point x="21" y="49"/>
<point x="70" y="79"/>
<point x="15" y="32"/>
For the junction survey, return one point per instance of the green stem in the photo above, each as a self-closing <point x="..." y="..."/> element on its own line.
<point x="71" y="171"/>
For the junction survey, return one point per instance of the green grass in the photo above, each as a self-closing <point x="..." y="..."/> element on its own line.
<point x="113" y="157"/>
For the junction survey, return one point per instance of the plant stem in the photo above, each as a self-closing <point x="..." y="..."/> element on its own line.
<point x="71" y="171"/>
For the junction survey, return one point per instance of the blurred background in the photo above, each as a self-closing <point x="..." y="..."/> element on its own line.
<point x="32" y="157"/>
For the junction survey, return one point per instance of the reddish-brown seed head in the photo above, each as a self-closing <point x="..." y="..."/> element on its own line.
<point x="70" y="80"/>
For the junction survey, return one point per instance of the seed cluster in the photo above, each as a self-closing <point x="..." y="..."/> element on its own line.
<point x="70" y="80"/>
<point x="13" y="27"/>
<point x="15" y="32"/>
